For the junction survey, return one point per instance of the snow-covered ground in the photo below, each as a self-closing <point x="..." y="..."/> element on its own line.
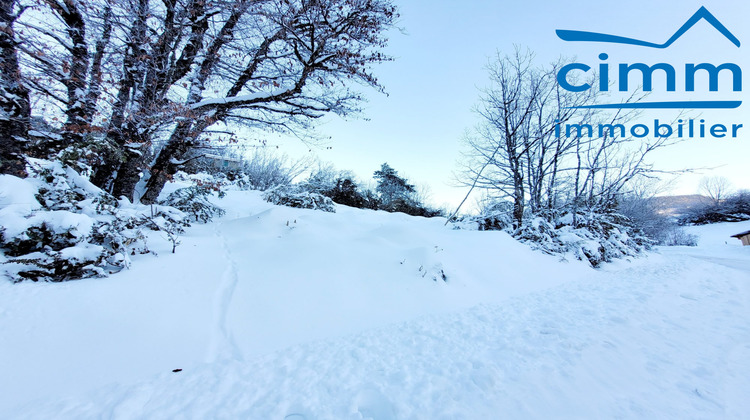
<point x="280" y="313"/>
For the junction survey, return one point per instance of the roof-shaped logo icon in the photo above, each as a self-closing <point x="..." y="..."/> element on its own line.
<point x="701" y="14"/>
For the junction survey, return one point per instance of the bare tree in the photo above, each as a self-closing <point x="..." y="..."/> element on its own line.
<point x="507" y="112"/>
<point x="638" y="203"/>
<point x="717" y="188"/>
<point x="538" y="145"/>
<point x="302" y="57"/>
<point x="61" y="66"/>
<point x="144" y="78"/>
<point x="153" y="66"/>
<point x="515" y="150"/>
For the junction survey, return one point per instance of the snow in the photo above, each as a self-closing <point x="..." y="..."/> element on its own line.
<point x="251" y="97"/>
<point x="60" y="221"/>
<point x="282" y="313"/>
<point x="47" y="134"/>
<point x="81" y="182"/>
<point x="18" y="204"/>
<point x="719" y="234"/>
<point x="716" y="244"/>
<point x="17" y="196"/>
<point x="81" y="252"/>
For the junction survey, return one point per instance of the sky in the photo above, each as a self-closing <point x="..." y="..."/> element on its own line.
<point x="439" y="68"/>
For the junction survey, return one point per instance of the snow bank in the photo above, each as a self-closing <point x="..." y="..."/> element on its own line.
<point x="17" y="196"/>
<point x="277" y="312"/>
<point x="664" y="337"/>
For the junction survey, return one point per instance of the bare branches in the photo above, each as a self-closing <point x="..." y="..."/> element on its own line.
<point x="526" y="151"/>
<point x="158" y="73"/>
<point x="717" y="188"/>
<point x="298" y="58"/>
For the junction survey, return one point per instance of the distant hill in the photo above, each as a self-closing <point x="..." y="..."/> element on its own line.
<point x="677" y="205"/>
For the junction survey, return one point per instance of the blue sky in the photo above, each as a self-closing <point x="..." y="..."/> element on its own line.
<point x="434" y="82"/>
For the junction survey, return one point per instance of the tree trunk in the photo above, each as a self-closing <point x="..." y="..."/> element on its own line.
<point x="127" y="176"/>
<point x="129" y="173"/>
<point x="518" y="199"/>
<point x="95" y="72"/>
<point x="105" y="172"/>
<point x="135" y="145"/>
<point x="184" y="135"/>
<point x="117" y="132"/>
<point x="163" y="168"/>
<point x="76" y="70"/>
<point x="77" y="121"/>
<point x="14" y="99"/>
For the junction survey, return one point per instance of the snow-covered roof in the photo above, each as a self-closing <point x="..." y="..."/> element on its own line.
<point x="739" y="235"/>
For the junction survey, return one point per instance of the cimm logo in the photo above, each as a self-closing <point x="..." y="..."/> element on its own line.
<point x="647" y="71"/>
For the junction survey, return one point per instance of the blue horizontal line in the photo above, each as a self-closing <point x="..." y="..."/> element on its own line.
<point x="666" y="105"/>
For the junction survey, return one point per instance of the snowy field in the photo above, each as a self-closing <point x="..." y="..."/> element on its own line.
<point x="279" y="313"/>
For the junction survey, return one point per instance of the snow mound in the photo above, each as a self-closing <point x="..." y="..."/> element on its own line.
<point x="296" y="197"/>
<point x="278" y="312"/>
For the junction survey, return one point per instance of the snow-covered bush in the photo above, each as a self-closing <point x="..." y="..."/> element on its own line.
<point x="661" y="228"/>
<point x="50" y="245"/>
<point x="395" y="195"/>
<point x="323" y="179"/>
<point x="735" y="208"/>
<point x="667" y="232"/>
<point x="497" y="216"/>
<point x="409" y="206"/>
<point x="346" y="192"/>
<point x="194" y="201"/>
<point x="267" y="169"/>
<point x="293" y="196"/>
<point x="57" y="226"/>
<point x="676" y="236"/>
<point x="594" y="237"/>
<point x="541" y="234"/>
<point x="341" y="187"/>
